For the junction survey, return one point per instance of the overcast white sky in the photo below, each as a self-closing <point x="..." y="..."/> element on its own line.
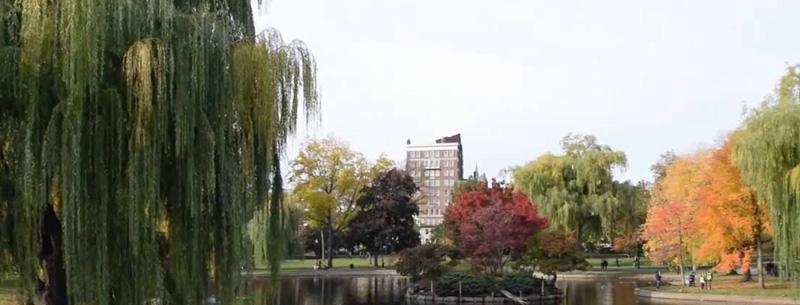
<point x="514" y="77"/>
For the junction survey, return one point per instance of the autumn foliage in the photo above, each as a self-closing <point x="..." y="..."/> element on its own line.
<point x="701" y="210"/>
<point x="671" y="225"/>
<point x="493" y="225"/>
<point x="730" y="219"/>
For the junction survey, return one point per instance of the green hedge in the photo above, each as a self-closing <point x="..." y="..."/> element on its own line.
<point x="471" y="285"/>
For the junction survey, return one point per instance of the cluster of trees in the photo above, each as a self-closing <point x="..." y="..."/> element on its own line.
<point x="720" y="205"/>
<point x="577" y="193"/>
<point x="493" y="227"/>
<point x="703" y="212"/>
<point x="352" y="201"/>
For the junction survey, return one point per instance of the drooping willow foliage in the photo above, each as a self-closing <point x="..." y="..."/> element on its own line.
<point x="574" y="189"/>
<point x="154" y="129"/>
<point x="769" y="155"/>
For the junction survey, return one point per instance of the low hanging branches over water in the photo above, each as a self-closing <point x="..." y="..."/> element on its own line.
<point x="769" y="155"/>
<point x="137" y="141"/>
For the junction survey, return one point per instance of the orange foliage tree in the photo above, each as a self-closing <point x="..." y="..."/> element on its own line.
<point x="730" y="219"/>
<point x="670" y="229"/>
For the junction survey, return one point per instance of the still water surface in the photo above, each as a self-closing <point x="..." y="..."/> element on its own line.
<point x="389" y="291"/>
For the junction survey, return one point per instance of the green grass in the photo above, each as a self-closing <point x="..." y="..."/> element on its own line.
<point x="624" y="262"/>
<point x="338" y="263"/>
<point x="732" y="285"/>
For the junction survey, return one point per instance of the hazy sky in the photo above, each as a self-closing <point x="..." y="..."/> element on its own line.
<point x="514" y="77"/>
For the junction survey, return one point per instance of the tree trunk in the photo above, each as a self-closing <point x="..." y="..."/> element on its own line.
<point x="747" y="276"/>
<point x="759" y="263"/>
<point x="330" y="248"/>
<point x="52" y="260"/>
<point x="375" y="259"/>
<point x="578" y="238"/>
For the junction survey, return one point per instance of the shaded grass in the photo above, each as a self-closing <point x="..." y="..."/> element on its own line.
<point x="624" y="262"/>
<point x="732" y="285"/>
<point x="338" y="263"/>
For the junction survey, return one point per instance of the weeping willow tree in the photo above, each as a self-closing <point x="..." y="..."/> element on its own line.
<point x="572" y="189"/>
<point x="769" y="155"/>
<point x="139" y="138"/>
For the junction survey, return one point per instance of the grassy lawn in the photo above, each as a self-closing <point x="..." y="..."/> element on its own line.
<point x="731" y="284"/>
<point x="624" y="262"/>
<point x="338" y="263"/>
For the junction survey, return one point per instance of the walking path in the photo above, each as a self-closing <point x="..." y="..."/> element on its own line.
<point x="704" y="297"/>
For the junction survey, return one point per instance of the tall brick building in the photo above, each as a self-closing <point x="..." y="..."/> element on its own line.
<point x="436" y="167"/>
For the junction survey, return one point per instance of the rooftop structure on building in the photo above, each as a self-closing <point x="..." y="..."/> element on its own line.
<point x="436" y="167"/>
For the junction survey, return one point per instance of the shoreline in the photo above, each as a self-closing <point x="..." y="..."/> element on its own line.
<point x="392" y="272"/>
<point x="721" y="298"/>
<point x="328" y="273"/>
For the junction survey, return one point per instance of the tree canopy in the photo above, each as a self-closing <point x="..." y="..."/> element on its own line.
<point x="136" y="140"/>
<point x="571" y="188"/>
<point x="671" y="226"/>
<point x="385" y="214"/>
<point x="768" y="153"/>
<point x="730" y="218"/>
<point x="329" y="179"/>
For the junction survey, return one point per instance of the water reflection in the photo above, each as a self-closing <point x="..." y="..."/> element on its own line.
<point x="389" y="291"/>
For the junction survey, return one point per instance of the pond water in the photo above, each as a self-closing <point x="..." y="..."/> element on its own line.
<point x="390" y="290"/>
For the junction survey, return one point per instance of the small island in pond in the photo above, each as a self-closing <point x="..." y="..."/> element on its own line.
<point x="494" y="240"/>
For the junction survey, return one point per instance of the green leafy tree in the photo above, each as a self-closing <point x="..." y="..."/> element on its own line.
<point x="625" y="214"/>
<point x="329" y="179"/>
<point x="137" y="138"/>
<point x="768" y="153"/>
<point x="570" y="188"/>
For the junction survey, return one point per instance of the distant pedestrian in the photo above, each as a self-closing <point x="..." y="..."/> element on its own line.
<point x="616" y="261"/>
<point x="710" y="279"/>
<point x="658" y="280"/>
<point x="702" y="281"/>
<point x="636" y="261"/>
<point x="691" y="279"/>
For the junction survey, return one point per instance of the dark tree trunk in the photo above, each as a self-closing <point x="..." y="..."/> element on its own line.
<point x="747" y="276"/>
<point x="330" y="248"/>
<point x="375" y="259"/>
<point x="52" y="260"/>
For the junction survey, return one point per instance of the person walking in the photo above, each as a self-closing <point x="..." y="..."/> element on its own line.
<point x="710" y="279"/>
<point x="691" y="279"/>
<point x="702" y="281"/>
<point x="658" y="280"/>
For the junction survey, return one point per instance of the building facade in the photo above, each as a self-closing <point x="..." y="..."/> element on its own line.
<point x="436" y="168"/>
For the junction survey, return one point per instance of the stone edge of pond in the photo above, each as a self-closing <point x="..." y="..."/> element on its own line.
<point x="426" y="299"/>
<point x="329" y="273"/>
<point x="638" y="276"/>
<point x="703" y="297"/>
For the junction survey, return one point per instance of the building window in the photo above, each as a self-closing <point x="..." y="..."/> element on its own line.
<point x="436" y="154"/>
<point x="436" y="163"/>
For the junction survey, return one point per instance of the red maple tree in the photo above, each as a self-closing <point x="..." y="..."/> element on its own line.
<point x="493" y="225"/>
